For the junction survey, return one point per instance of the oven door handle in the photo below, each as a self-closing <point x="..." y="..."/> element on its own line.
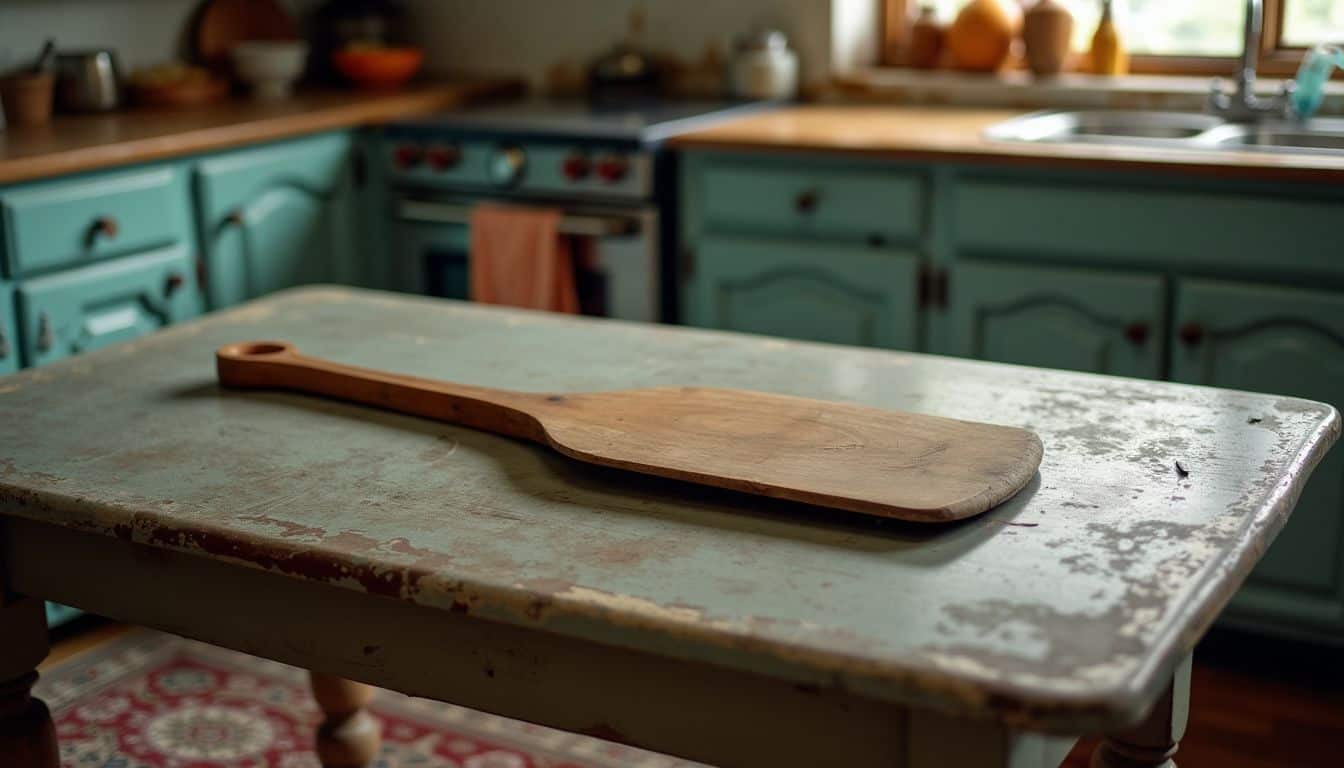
<point x="570" y="224"/>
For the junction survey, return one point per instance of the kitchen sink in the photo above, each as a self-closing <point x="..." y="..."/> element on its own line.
<point x="1189" y="130"/>
<point x="1106" y="126"/>
<point x="1314" y="136"/>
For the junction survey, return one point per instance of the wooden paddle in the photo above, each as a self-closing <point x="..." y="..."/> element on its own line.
<point x="877" y="462"/>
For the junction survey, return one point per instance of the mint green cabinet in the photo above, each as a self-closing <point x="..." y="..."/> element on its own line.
<point x="74" y="221"/>
<point x="847" y="202"/>
<point x="842" y="294"/>
<point x="277" y="216"/>
<point x="1291" y="342"/>
<point x="9" y="338"/>
<point x="1082" y="320"/>
<point x="84" y="309"/>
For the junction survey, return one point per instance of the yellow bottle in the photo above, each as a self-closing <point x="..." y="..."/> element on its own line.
<point x="1109" y="56"/>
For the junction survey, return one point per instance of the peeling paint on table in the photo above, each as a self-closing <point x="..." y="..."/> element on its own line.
<point x="1065" y="609"/>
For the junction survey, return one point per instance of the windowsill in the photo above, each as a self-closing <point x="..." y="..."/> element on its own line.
<point x="1020" y="89"/>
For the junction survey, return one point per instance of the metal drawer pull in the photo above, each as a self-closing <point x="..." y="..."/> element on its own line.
<point x="570" y="224"/>
<point x="104" y="226"/>
<point x="46" y="337"/>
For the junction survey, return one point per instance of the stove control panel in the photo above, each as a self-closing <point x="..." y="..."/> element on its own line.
<point x="543" y="168"/>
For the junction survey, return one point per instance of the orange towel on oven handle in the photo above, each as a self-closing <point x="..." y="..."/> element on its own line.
<point x="519" y="258"/>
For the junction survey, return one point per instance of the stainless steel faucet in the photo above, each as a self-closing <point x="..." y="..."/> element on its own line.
<point x="1242" y="104"/>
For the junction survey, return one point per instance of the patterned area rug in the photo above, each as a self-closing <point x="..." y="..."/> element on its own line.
<point x="151" y="700"/>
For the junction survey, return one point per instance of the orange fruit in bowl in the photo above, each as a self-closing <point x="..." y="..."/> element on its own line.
<point x="376" y="67"/>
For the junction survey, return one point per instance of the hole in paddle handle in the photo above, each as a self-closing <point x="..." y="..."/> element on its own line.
<point x="244" y="364"/>
<point x="254" y="349"/>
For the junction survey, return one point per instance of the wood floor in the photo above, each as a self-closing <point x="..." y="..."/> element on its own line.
<point x="1260" y="703"/>
<point x="1255" y="702"/>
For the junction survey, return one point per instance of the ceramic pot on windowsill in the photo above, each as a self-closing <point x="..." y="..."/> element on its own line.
<point x="1047" y="31"/>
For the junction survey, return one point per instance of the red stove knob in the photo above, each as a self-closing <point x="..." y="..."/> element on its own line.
<point x="407" y="156"/>
<point x="444" y="157"/>
<point x="612" y="168"/>
<point x="576" y="166"/>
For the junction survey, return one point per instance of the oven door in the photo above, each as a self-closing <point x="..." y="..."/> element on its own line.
<point x="620" y="279"/>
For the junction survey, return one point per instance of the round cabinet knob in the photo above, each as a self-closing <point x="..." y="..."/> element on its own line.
<point x="1191" y="334"/>
<point x="407" y="156"/>
<point x="613" y="168"/>
<point x="1137" y="333"/>
<point x="444" y="157"/>
<point x="576" y="166"/>
<point x="807" y="201"/>
<point x="507" y="166"/>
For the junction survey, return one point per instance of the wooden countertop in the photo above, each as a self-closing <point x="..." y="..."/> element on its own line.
<point x="71" y="144"/>
<point x="957" y="134"/>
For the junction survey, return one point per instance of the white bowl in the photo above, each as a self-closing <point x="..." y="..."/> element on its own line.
<point x="270" y="67"/>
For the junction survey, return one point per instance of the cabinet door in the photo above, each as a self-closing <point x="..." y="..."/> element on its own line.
<point x="1288" y="342"/>
<point x="818" y="292"/>
<point x="1103" y="322"/>
<point x="276" y="217"/>
<point x="84" y="309"/>
<point x="9" y="340"/>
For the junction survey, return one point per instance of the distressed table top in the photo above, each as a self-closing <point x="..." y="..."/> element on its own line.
<point x="1065" y="608"/>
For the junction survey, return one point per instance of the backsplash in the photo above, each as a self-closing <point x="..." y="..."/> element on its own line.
<point x="524" y="37"/>
<point x="141" y="31"/>
<point x="528" y="37"/>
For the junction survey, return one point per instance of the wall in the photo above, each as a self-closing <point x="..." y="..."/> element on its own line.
<point x="528" y="36"/>
<point x="142" y="32"/>
<point x="507" y="36"/>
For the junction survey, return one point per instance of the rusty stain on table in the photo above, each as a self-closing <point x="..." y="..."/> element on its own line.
<point x="1065" y="609"/>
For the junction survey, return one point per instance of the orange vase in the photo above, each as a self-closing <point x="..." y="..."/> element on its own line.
<point x="981" y="38"/>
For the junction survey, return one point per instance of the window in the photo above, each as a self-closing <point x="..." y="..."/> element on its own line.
<point x="1182" y="36"/>
<point x="1156" y="27"/>
<point x="1308" y="22"/>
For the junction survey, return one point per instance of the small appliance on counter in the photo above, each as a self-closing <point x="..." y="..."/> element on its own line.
<point x="88" y="81"/>
<point x="628" y="73"/>
<point x="601" y="167"/>
<point x="764" y="67"/>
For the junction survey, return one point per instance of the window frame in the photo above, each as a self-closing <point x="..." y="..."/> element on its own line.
<point x="1276" y="59"/>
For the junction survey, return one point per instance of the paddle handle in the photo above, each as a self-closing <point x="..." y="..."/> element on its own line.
<point x="278" y="365"/>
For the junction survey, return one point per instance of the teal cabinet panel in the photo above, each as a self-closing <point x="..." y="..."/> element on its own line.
<point x="277" y="217"/>
<point x="84" y="309"/>
<point x="818" y="292"/>
<point x="1082" y="320"/>
<point x="74" y="221"/>
<point x="1288" y="342"/>
<point x="9" y="338"/>
<point x="1096" y="223"/>
<point x="61" y="614"/>
<point x="809" y="199"/>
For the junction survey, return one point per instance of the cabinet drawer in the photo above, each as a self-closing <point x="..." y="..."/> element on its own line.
<point x="70" y="222"/>
<point x="84" y="309"/>
<point x="9" y="340"/>
<point x="816" y="292"/>
<point x="838" y="203"/>
<point x="1100" y="224"/>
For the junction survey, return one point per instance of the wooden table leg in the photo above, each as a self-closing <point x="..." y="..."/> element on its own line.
<point x="349" y="737"/>
<point x="1152" y="743"/>
<point x="27" y="736"/>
